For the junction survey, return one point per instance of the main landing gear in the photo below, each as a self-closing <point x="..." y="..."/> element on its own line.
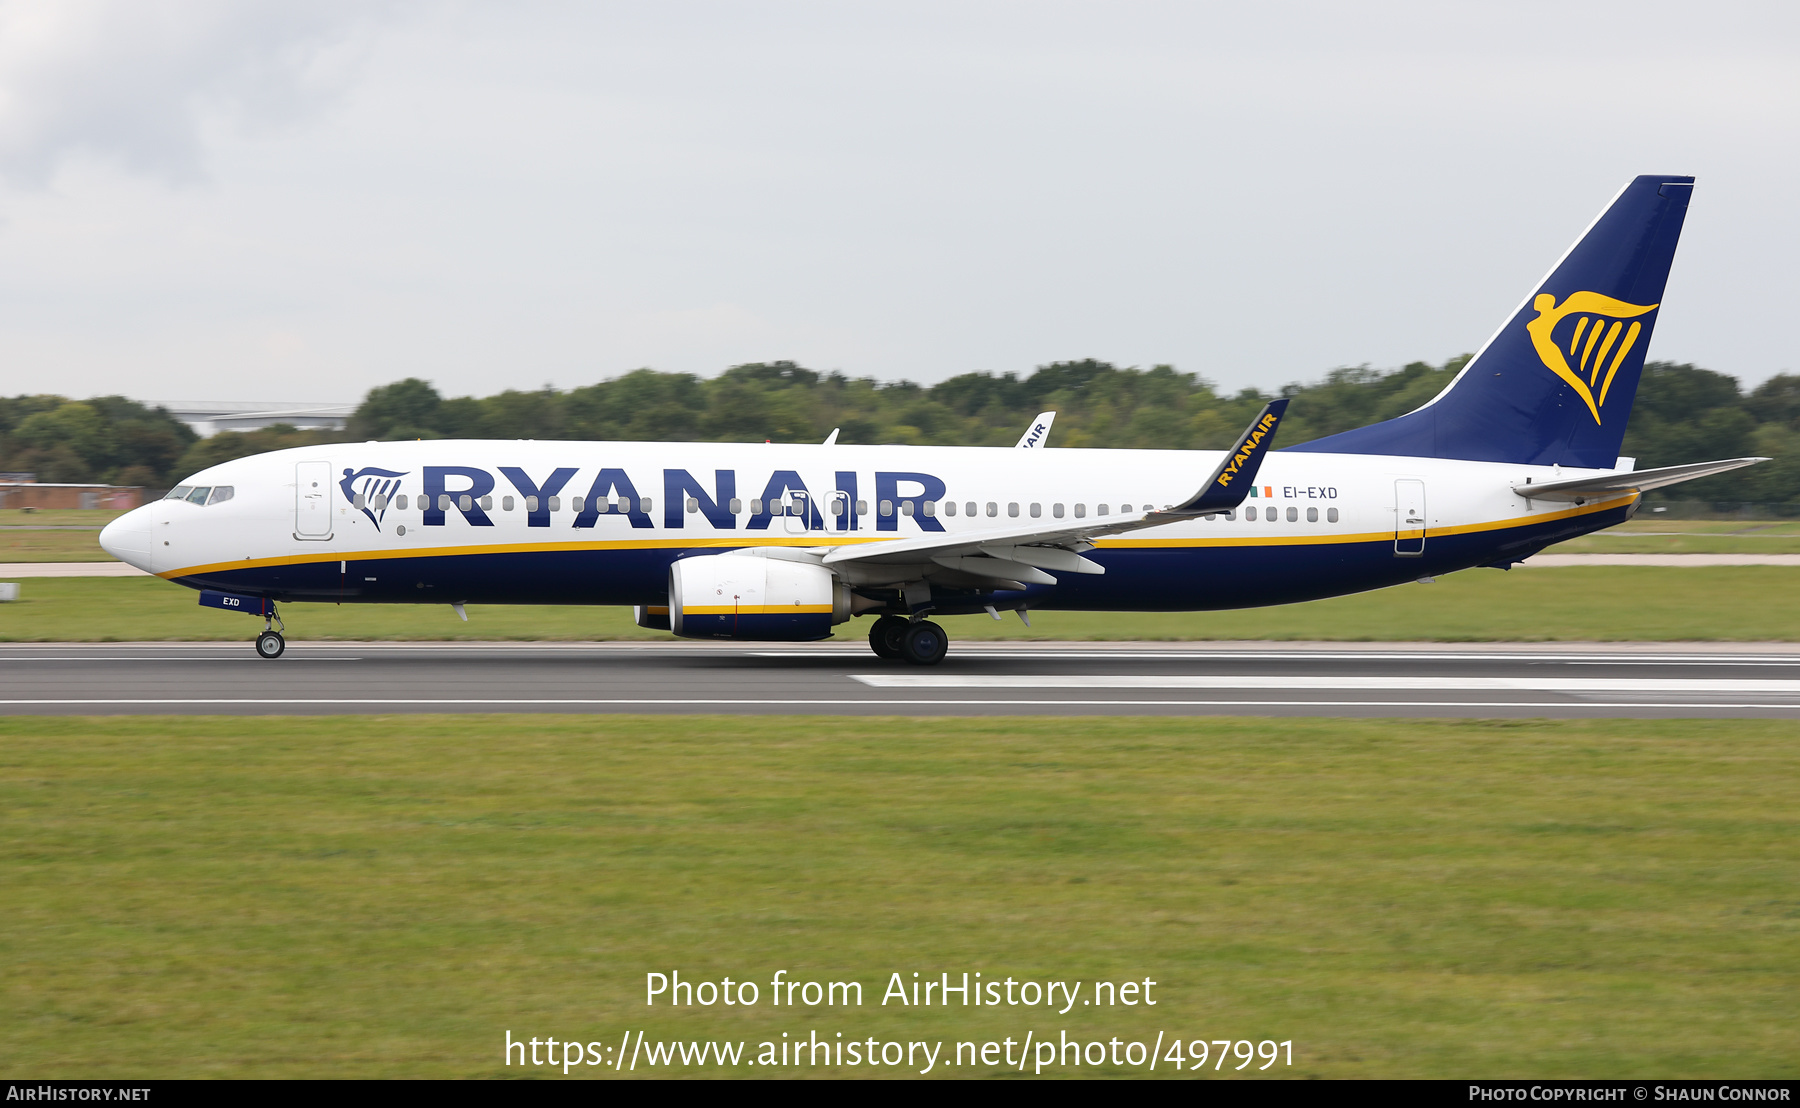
<point x="270" y="644"/>
<point x="919" y="641"/>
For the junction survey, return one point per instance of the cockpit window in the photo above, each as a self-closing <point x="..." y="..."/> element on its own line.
<point x="220" y="494"/>
<point x="179" y="492"/>
<point x="198" y="496"/>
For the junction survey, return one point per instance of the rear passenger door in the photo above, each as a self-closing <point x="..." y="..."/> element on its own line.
<point x="1409" y="518"/>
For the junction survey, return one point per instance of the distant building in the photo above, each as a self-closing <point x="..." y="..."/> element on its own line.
<point x="209" y="417"/>
<point x="39" y="494"/>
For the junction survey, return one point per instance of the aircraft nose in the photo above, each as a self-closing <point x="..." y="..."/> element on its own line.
<point x="128" y="537"/>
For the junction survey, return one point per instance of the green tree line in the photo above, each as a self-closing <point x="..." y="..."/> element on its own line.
<point x="1683" y="413"/>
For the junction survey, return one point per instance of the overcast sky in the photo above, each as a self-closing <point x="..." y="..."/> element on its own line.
<point x="224" y="199"/>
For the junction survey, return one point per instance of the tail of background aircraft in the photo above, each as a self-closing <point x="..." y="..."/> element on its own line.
<point x="1554" y="385"/>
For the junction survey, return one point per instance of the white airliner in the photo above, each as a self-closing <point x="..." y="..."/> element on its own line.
<point x="784" y="542"/>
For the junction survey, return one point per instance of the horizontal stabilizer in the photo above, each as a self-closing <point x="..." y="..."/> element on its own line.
<point x="1618" y="484"/>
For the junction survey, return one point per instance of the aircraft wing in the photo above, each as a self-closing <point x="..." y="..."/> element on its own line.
<point x="1581" y="489"/>
<point x="1010" y="557"/>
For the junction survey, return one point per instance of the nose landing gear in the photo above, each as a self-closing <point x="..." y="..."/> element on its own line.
<point x="271" y="644"/>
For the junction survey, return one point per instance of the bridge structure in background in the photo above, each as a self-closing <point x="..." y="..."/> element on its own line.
<point x="209" y="417"/>
<point x="23" y="490"/>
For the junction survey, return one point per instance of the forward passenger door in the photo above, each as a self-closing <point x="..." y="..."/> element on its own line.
<point x="312" y="500"/>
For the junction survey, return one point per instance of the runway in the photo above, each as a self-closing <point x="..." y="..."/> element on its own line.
<point x="1629" y="680"/>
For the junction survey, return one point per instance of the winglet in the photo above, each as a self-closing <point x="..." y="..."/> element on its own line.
<point x="1039" y="430"/>
<point x="1230" y="483"/>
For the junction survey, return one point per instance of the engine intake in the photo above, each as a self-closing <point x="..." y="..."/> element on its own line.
<point x="739" y="596"/>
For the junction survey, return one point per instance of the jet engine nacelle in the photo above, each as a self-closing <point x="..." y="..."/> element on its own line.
<point x="736" y="596"/>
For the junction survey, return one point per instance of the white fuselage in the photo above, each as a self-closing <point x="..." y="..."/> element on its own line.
<point x="364" y="521"/>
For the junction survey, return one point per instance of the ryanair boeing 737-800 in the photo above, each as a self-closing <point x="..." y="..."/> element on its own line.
<point x="785" y="542"/>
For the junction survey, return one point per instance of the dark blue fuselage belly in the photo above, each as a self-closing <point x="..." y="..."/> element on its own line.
<point x="1137" y="579"/>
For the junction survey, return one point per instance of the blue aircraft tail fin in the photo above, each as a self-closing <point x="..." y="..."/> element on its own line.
<point x="1554" y="385"/>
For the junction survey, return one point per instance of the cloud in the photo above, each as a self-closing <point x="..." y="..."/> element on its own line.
<point x="138" y="83"/>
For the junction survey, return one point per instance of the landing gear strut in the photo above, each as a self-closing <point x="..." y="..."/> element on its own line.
<point x="921" y="642"/>
<point x="270" y="644"/>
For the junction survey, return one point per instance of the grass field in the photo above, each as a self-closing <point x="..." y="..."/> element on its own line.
<point x="386" y="896"/>
<point x="23" y="540"/>
<point x="1652" y="535"/>
<point x="1585" y="603"/>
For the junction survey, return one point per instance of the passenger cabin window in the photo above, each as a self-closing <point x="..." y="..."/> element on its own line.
<point x="929" y="507"/>
<point x="1012" y="510"/>
<point x="1081" y="511"/>
<point x="1250" y="512"/>
<point x="737" y="506"/>
<point x="506" y="503"/>
<point x="949" y="507"/>
<point x="465" y="502"/>
<point x="1037" y="510"/>
<point x="556" y="503"/>
<point x="693" y="506"/>
<point x="862" y="507"/>
<point x="1100" y="509"/>
<point x="887" y="507"/>
<point x="531" y="503"/>
<point x="1331" y="515"/>
<point x="487" y="503"/>
<point x="993" y="509"/>
<point x="1056" y="510"/>
<point x="906" y="508"/>
<point x="969" y="508"/>
<point x="1312" y="515"/>
<point x="1293" y="514"/>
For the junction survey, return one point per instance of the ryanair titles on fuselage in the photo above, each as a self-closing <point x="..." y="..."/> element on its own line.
<point x="463" y="489"/>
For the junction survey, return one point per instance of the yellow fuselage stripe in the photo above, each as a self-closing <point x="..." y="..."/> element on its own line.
<point x="677" y="542"/>
<point x="754" y="609"/>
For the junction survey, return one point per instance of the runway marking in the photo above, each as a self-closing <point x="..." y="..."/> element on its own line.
<point x="173" y="658"/>
<point x="1335" y="656"/>
<point x="1297" y="682"/>
<point x="910" y="702"/>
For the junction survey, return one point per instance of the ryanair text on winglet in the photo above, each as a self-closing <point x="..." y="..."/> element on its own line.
<point x="1263" y="429"/>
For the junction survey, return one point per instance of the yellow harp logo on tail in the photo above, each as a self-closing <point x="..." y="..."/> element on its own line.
<point x="1599" y="331"/>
